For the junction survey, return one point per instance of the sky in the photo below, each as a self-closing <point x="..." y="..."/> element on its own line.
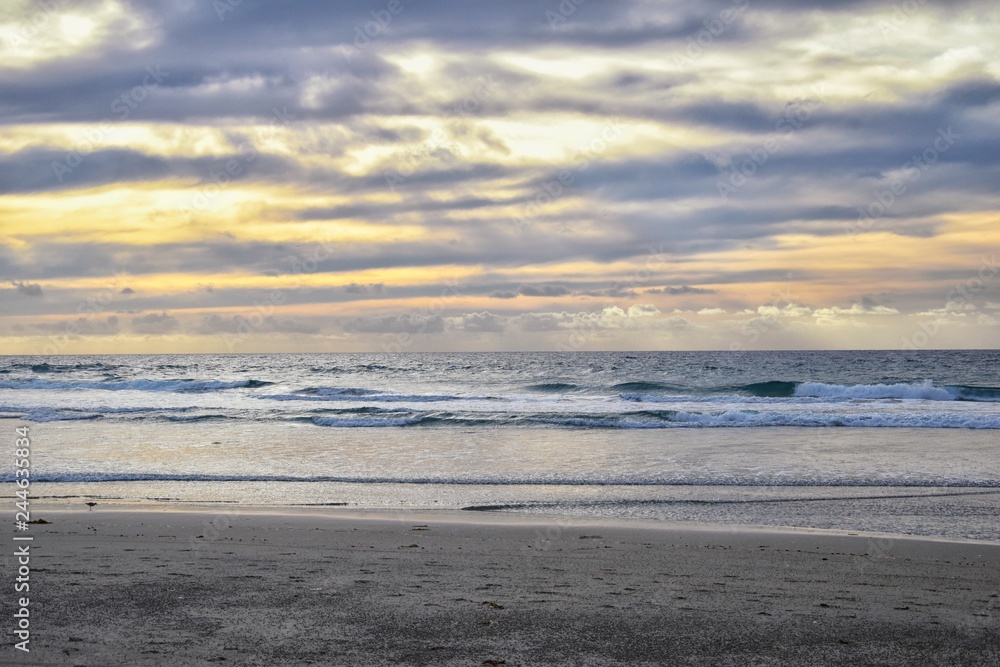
<point x="424" y="175"/>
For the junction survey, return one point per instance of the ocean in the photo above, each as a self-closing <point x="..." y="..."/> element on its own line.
<point x="901" y="442"/>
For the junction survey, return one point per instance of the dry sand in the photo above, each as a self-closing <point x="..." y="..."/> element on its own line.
<point x="334" y="587"/>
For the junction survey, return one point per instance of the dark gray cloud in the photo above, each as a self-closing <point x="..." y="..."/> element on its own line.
<point x="482" y="322"/>
<point x="81" y="326"/>
<point x="44" y="169"/>
<point x="254" y="61"/>
<point x="27" y="289"/>
<point x="981" y="91"/>
<point x="494" y="245"/>
<point x="610" y="292"/>
<point x="371" y="288"/>
<point x="395" y="324"/>
<point x="155" y="324"/>
<point x="580" y="288"/>
<point x="544" y="289"/>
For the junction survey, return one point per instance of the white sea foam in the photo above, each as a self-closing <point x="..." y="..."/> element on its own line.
<point x="924" y="390"/>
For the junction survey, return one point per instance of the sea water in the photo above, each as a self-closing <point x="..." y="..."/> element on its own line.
<point x="890" y="441"/>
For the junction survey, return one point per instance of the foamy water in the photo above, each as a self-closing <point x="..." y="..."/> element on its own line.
<point x="623" y="391"/>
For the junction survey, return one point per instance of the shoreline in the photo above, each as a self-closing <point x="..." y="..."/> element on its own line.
<point x="258" y="585"/>
<point x="473" y="517"/>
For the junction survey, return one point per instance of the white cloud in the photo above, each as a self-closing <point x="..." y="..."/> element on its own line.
<point x="643" y="310"/>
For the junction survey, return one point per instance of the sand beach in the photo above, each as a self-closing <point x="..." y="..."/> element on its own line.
<point x="147" y="585"/>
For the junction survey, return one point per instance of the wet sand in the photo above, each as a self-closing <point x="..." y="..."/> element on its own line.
<point x="329" y="586"/>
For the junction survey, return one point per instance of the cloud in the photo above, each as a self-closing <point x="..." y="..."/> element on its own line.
<point x="244" y="326"/>
<point x="544" y="289"/>
<point x="482" y="322"/>
<point x="81" y="326"/>
<point x="254" y="167"/>
<point x="643" y="310"/>
<point x="856" y="310"/>
<point x="788" y="310"/>
<point x="372" y="288"/>
<point x="680" y="289"/>
<point x="155" y="324"/>
<point x="27" y="289"/>
<point x="755" y="326"/>
<point x="612" y="317"/>
<point x="678" y="324"/>
<point x="406" y="323"/>
<point x="615" y="292"/>
<point x="550" y="290"/>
